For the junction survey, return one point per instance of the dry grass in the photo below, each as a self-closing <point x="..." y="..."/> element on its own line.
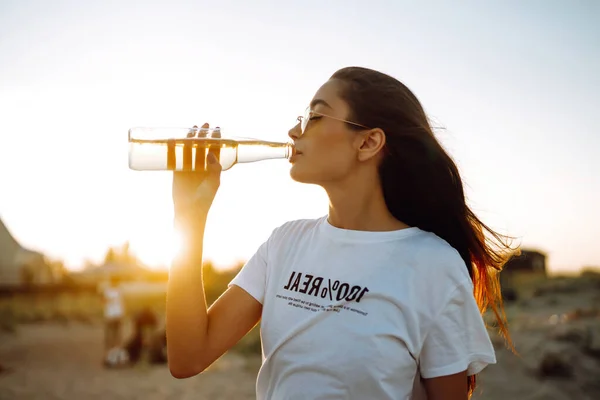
<point x="60" y="308"/>
<point x="86" y="307"/>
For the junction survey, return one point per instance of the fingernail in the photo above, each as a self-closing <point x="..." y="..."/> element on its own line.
<point x="211" y="158"/>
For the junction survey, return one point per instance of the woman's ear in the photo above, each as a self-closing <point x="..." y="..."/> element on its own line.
<point x="371" y="143"/>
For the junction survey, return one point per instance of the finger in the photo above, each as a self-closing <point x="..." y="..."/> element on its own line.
<point x="187" y="150"/>
<point x="216" y="148"/>
<point x="200" y="162"/>
<point x="203" y="130"/>
<point x="213" y="169"/>
<point x="212" y="163"/>
<point x="171" y="161"/>
<point x="212" y="182"/>
<point x="192" y="131"/>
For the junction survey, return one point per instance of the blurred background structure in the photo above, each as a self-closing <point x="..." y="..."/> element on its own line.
<point x="20" y="266"/>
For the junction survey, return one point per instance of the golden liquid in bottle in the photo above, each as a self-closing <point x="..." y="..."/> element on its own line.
<point x="190" y="154"/>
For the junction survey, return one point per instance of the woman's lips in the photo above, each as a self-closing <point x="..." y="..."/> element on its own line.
<point x="295" y="155"/>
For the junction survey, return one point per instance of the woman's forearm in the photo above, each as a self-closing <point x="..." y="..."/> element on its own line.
<point x="186" y="319"/>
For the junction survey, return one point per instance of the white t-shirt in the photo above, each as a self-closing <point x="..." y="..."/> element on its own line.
<point x="113" y="308"/>
<point x="356" y="315"/>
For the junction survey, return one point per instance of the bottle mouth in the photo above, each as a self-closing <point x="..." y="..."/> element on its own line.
<point x="291" y="150"/>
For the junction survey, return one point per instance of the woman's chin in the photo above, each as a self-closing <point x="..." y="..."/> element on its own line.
<point x="297" y="174"/>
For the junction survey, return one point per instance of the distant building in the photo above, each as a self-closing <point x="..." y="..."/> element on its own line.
<point x="20" y="266"/>
<point x="532" y="261"/>
<point x="520" y="271"/>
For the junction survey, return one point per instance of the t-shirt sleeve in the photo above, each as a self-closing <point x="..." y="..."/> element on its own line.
<point x="253" y="275"/>
<point x="458" y="339"/>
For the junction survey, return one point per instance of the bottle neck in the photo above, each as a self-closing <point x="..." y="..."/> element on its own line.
<point x="259" y="150"/>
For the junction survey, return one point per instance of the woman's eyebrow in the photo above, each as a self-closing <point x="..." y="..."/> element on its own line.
<point x="316" y="102"/>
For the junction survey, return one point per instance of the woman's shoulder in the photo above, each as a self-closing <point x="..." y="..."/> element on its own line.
<point x="435" y="257"/>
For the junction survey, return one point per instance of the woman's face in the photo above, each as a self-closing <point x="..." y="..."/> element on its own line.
<point x="327" y="150"/>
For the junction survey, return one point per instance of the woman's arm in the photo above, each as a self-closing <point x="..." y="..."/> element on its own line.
<point x="197" y="336"/>
<point x="449" y="387"/>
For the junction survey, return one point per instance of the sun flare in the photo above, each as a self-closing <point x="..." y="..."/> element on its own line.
<point x="158" y="250"/>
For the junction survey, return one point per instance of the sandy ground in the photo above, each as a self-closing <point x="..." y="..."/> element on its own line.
<point x="559" y="329"/>
<point x="51" y="361"/>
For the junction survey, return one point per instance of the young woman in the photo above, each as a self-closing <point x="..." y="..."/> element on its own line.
<point x="380" y="299"/>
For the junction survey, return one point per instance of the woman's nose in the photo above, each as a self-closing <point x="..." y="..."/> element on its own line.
<point x="295" y="132"/>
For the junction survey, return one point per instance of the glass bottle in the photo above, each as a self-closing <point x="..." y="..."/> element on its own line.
<point x="185" y="149"/>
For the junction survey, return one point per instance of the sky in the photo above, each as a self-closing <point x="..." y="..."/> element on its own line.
<point x="512" y="87"/>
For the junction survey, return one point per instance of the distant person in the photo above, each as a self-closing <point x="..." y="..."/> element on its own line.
<point x="379" y="299"/>
<point x="114" y="312"/>
<point x="146" y="338"/>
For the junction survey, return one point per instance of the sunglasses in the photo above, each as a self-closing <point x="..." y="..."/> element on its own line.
<point x="310" y="114"/>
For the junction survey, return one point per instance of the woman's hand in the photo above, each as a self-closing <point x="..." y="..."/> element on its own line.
<point x="194" y="191"/>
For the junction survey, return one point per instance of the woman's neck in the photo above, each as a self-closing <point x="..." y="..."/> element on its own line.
<point x="361" y="206"/>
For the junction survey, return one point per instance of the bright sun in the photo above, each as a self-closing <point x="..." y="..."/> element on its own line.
<point x="157" y="250"/>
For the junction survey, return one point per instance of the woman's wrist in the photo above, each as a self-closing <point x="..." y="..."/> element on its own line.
<point x="189" y="221"/>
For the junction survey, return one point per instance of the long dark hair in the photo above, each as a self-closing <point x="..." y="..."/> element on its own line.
<point x="421" y="183"/>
